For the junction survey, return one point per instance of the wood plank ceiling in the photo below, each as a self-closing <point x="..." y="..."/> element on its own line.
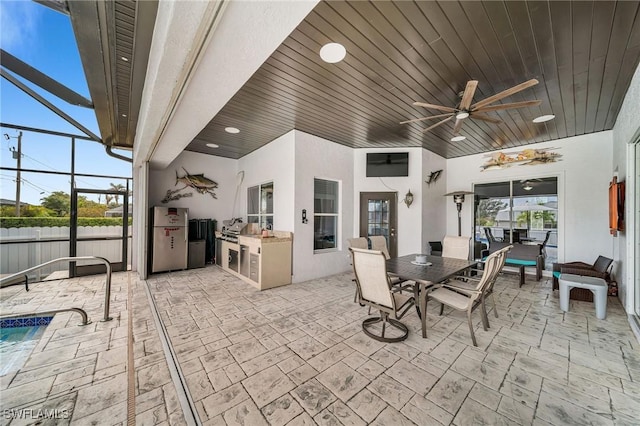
<point x="584" y="54"/>
<point x="114" y="40"/>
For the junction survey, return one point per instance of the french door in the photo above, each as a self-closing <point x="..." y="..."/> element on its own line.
<point x="378" y="216"/>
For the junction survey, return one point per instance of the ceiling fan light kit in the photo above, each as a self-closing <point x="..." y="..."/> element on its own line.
<point x="544" y="118"/>
<point x="475" y="111"/>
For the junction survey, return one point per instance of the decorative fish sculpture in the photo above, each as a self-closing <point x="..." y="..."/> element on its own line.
<point x="433" y="177"/>
<point x="198" y="182"/>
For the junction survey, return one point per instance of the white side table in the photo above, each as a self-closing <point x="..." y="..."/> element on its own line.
<point x="598" y="287"/>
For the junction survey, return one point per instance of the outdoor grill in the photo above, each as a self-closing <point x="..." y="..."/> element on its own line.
<point x="232" y="229"/>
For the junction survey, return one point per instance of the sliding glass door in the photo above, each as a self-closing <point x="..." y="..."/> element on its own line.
<point x="519" y="212"/>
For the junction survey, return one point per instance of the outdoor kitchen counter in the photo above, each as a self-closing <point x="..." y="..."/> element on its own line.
<point x="264" y="262"/>
<point x="270" y="239"/>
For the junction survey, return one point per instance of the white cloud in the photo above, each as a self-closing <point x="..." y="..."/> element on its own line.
<point x="19" y="20"/>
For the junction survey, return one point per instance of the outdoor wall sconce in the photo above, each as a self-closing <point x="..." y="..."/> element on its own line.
<point x="408" y="198"/>
<point x="458" y="198"/>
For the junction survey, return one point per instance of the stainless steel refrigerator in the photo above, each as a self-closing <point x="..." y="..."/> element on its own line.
<point x="169" y="237"/>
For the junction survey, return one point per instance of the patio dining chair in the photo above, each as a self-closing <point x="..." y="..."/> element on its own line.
<point x="543" y="246"/>
<point x="456" y="247"/>
<point x="379" y="242"/>
<point x="467" y="300"/>
<point x="375" y="290"/>
<point x="360" y="243"/>
<point x="469" y="284"/>
<point x="489" y="234"/>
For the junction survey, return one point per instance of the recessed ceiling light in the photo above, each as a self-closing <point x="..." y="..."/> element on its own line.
<point x="124" y="59"/>
<point x="124" y="115"/>
<point x="333" y="52"/>
<point x="213" y="145"/>
<point x="544" y="118"/>
<point x="231" y="130"/>
<point x="458" y="138"/>
<point x="462" y="114"/>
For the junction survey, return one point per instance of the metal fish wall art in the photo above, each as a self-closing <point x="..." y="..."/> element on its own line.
<point x="433" y="176"/>
<point x="202" y="185"/>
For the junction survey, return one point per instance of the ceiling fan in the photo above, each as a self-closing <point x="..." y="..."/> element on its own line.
<point x="475" y="111"/>
<point x="529" y="184"/>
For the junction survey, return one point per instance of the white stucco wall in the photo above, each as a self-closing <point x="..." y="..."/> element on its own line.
<point x="319" y="158"/>
<point x="584" y="173"/>
<point x="201" y="206"/>
<point x="434" y="211"/>
<point x="274" y="162"/>
<point x="409" y="230"/>
<point x="627" y="131"/>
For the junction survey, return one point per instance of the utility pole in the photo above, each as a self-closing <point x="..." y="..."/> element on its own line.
<point x="17" y="155"/>
<point x="18" y="182"/>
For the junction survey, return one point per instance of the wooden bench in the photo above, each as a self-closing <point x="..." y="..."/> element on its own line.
<point x="522" y="256"/>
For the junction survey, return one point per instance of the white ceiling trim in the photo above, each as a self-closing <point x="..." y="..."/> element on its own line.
<point x="246" y="34"/>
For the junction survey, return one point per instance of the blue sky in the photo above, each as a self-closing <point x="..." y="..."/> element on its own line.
<point x="44" y="39"/>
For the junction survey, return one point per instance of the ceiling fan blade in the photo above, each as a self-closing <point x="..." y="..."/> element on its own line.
<point x="457" y="127"/>
<point x="508" y="106"/>
<point x="467" y="97"/>
<point x="437" y="124"/>
<point x="484" y="118"/>
<point x="504" y="93"/>
<point x="425" y="118"/>
<point x="438" y="107"/>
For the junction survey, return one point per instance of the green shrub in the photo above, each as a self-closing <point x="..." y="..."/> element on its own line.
<point x="36" y="222"/>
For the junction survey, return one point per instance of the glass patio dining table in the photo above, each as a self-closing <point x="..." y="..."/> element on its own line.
<point x="435" y="271"/>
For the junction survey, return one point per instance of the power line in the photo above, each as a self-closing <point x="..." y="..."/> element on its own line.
<point x="34" y="185"/>
<point x="59" y="171"/>
<point x="40" y="162"/>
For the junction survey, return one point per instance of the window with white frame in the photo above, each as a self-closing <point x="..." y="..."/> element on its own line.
<point x="326" y="207"/>
<point x="260" y="205"/>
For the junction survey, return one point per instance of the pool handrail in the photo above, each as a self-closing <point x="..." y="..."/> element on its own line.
<point x="107" y="295"/>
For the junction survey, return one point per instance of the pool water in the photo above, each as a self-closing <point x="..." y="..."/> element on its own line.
<point x="16" y="344"/>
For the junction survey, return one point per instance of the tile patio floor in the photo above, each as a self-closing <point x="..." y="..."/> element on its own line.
<point x="296" y="355"/>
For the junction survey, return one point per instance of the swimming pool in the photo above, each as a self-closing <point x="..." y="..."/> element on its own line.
<point x="18" y="337"/>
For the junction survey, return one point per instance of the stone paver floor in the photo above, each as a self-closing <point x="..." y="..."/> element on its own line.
<point x="296" y="355"/>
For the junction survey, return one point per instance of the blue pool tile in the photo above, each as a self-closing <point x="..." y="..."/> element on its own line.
<point x="24" y="322"/>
